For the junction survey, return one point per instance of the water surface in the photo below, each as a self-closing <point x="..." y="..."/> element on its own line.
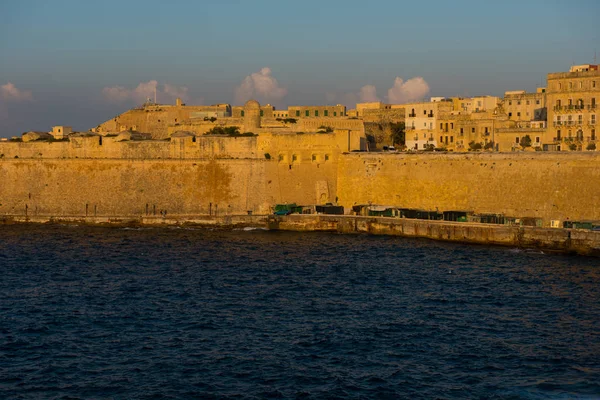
<point x="91" y="312"/>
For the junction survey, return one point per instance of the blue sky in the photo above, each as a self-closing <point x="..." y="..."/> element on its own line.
<point x="61" y="56"/>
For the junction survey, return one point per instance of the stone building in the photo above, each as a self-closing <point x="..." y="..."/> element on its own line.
<point x="573" y="107"/>
<point x="316" y="111"/>
<point x="522" y="106"/>
<point x="422" y="121"/>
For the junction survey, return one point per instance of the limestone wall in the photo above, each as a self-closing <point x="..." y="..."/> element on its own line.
<point x="106" y="187"/>
<point x="550" y="186"/>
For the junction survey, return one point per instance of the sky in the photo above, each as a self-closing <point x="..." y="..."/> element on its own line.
<point x="79" y="63"/>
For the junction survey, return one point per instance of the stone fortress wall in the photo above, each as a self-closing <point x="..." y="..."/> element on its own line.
<point x="204" y="176"/>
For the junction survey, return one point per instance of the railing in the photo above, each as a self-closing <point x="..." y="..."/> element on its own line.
<point x="430" y="115"/>
<point x="574" y="107"/>
<point x="412" y="115"/>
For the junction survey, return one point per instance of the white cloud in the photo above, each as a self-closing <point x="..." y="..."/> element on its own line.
<point x="261" y="86"/>
<point x="368" y="94"/>
<point x="144" y="91"/>
<point x="413" y="89"/>
<point x="9" y="92"/>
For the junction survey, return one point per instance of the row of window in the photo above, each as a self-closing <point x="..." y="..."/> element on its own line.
<point x="579" y="134"/>
<point x="573" y="85"/>
<point x="296" y="158"/>
<point x="579" y="104"/>
<point x="413" y="114"/>
<point x="307" y="113"/>
<point x="537" y="102"/>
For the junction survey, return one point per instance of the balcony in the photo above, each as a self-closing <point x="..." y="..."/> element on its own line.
<point x="558" y="123"/>
<point x="430" y="115"/>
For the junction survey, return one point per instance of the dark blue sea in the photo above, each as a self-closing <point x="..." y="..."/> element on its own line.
<point x="174" y="313"/>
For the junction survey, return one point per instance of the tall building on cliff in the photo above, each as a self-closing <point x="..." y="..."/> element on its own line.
<point x="573" y="107"/>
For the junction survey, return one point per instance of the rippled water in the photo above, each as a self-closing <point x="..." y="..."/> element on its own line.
<point x="90" y="312"/>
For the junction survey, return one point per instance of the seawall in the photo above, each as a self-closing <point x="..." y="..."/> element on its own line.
<point x="569" y="241"/>
<point x="575" y="241"/>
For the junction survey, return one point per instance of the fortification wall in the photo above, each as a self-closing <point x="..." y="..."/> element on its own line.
<point x="202" y="147"/>
<point x="313" y="124"/>
<point x="549" y="186"/>
<point x="120" y="188"/>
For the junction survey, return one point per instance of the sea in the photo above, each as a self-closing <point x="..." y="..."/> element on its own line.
<point x="192" y="313"/>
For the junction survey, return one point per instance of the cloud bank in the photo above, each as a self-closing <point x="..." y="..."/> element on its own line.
<point x="414" y="89"/>
<point x="9" y="92"/>
<point x="261" y="86"/>
<point x="144" y="91"/>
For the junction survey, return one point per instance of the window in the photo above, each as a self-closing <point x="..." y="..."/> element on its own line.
<point x="472" y="130"/>
<point x="593" y="102"/>
<point x="517" y="140"/>
<point x="316" y="113"/>
<point x="527" y="102"/>
<point x="509" y="114"/>
<point x="559" y="86"/>
<point x="262" y="113"/>
<point x="558" y="134"/>
<point x="441" y="126"/>
<point x="326" y="157"/>
<point x="424" y="112"/>
<point x="335" y="113"/>
<point x="441" y="139"/>
<point x="294" y="158"/>
<point x="486" y="129"/>
<point x="593" y="84"/>
<point x="326" y="113"/>
<point x="593" y="134"/>
<point x="537" y="102"/>
<point x="307" y="113"/>
<point x="462" y="131"/>
<point x="537" y="139"/>
<point x="297" y="113"/>
<point x="243" y="113"/>
<point x="451" y="139"/>
<point x="451" y="125"/>
<point x="510" y="103"/>
<point x="314" y="157"/>
<point x="518" y="114"/>
<point x="519" y="102"/>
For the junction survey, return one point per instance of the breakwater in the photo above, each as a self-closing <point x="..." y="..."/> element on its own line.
<point x="550" y="239"/>
<point x="576" y="241"/>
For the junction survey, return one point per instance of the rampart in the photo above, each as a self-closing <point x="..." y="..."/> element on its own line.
<point x="190" y="175"/>
<point x="551" y="186"/>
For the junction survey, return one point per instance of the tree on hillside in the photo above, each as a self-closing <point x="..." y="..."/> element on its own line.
<point x="398" y="133"/>
<point x="474" y="146"/>
<point x="226" y="131"/>
<point x="525" y="142"/>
